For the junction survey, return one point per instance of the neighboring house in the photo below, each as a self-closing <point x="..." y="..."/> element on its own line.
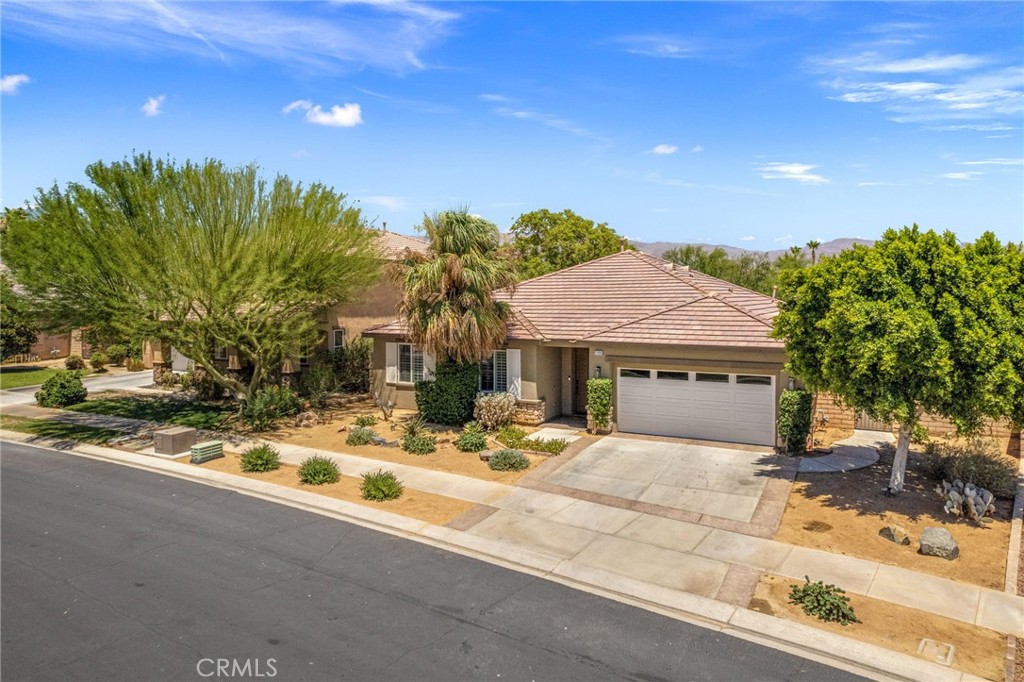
<point x="689" y="355"/>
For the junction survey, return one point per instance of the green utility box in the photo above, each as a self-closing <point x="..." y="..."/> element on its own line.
<point x="204" y="452"/>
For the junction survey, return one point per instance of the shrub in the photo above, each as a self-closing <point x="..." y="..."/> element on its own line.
<point x="599" y="401"/>
<point x="448" y="399"/>
<point x="360" y="436"/>
<point x="133" y="365"/>
<point x="514" y="437"/>
<point x="421" y="444"/>
<point x="74" y="362"/>
<point x="318" y="470"/>
<point x="98" y="361"/>
<point x="261" y="458"/>
<point x="973" y="461"/>
<point x="117" y="353"/>
<point x="199" y="380"/>
<point x="827" y="602"/>
<point x="381" y="486"/>
<point x="317" y="384"/>
<point x="508" y="460"/>
<point x="494" y="410"/>
<point x="365" y="420"/>
<point x="62" y="389"/>
<point x="795" y="420"/>
<point x="350" y="365"/>
<point x="471" y="441"/>
<point x="268" y="405"/>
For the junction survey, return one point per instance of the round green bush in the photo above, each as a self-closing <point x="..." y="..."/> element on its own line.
<point x="508" y="460"/>
<point x="261" y="458"/>
<point x="99" y="361"/>
<point x="471" y="441"/>
<point x="62" y="389"/>
<point x="117" y="353"/>
<point x="360" y="436"/>
<point x="74" y="362"/>
<point x="381" y="486"/>
<point x="133" y="365"/>
<point x="365" y="420"/>
<point x="420" y="444"/>
<point x="318" y="470"/>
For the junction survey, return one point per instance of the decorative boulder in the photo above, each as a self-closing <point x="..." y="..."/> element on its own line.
<point x="897" y="534"/>
<point x="307" y="420"/>
<point x="384" y="442"/>
<point x="938" y="542"/>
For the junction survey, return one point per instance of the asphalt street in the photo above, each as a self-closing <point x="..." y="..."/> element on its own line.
<point x="112" y="573"/>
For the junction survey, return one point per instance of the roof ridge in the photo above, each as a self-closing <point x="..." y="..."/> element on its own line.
<point x="572" y="267"/>
<point x="647" y="258"/>
<point x="521" y="316"/>
<point x="641" y="318"/>
<point x="756" y="318"/>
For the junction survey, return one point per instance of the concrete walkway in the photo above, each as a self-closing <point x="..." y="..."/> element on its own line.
<point x="856" y="452"/>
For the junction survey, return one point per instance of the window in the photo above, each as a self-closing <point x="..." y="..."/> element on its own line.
<point x="337" y="339"/>
<point x="410" y="363"/>
<point x="304" y="356"/>
<point x="634" y="374"/>
<point x="220" y="352"/>
<point x="713" y="378"/>
<point x="674" y="376"/>
<point x="494" y="373"/>
<point x="753" y="380"/>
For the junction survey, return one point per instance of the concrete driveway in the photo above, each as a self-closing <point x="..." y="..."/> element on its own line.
<point x="697" y="479"/>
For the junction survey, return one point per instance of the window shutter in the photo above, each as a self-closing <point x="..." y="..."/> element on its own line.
<point x="429" y="363"/>
<point x="391" y="363"/>
<point x="513" y="363"/>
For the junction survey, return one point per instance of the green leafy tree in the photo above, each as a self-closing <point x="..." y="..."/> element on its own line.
<point x="197" y="255"/>
<point x="18" y="329"/>
<point x="546" y="241"/>
<point x="752" y="270"/>
<point x="449" y="301"/>
<point x="917" y="323"/>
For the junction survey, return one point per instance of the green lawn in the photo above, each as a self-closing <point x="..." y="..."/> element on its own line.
<point x="181" y="412"/>
<point x="59" y="430"/>
<point x="16" y="377"/>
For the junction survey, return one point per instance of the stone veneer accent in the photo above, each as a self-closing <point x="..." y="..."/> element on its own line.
<point x="529" y="412"/>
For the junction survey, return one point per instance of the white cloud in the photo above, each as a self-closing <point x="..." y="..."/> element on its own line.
<point x="491" y="97"/>
<point x="663" y="47"/>
<point x="153" y="106"/>
<point x="548" y="120"/>
<point x="9" y="84"/>
<point x="346" y="116"/>
<point x="783" y="239"/>
<point x="325" y="36"/>
<point x="299" y="154"/>
<point x="748" y="238"/>
<point x="801" y="172"/>
<point x="663" y="149"/>
<point x="391" y="203"/>
<point x="873" y="184"/>
<point x="963" y="175"/>
<point x="994" y="162"/>
<point x="697" y="149"/>
<point x="873" y="62"/>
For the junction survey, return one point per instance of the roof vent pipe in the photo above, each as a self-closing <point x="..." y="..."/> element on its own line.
<point x="775" y="288"/>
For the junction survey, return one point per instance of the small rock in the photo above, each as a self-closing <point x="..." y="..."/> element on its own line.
<point x="485" y="456"/>
<point x="894" y="533"/>
<point x="384" y="442"/>
<point x="307" y="420"/>
<point x="938" y="542"/>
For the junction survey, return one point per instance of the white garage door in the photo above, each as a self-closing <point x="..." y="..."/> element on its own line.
<point x="737" y="408"/>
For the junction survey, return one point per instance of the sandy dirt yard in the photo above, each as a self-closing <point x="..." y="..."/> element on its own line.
<point x="842" y="513"/>
<point x="447" y="458"/>
<point x="979" y="651"/>
<point x="428" y="507"/>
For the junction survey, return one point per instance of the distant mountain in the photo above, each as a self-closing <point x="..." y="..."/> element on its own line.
<point x="829" y="248"/>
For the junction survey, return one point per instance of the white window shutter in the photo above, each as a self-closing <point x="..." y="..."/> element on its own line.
<point x="513" y="364"/>
<point x="391" y="363"/>
<point x="429" y="363"/>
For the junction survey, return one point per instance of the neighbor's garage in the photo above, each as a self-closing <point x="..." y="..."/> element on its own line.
<point x="737" y="408"/>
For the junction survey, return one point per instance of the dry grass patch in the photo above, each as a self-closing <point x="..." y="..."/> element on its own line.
<point x="435" y="509"/>
<point x="842" y="513"/>
<point x="978" y="651"/>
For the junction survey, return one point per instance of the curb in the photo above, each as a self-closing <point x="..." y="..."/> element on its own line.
<point x="794" y="638"/>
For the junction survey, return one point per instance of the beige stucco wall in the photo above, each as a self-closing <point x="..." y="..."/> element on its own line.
<point x="376" y="305"/>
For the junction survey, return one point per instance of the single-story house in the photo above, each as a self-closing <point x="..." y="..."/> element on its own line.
<point x="689" y="355"/>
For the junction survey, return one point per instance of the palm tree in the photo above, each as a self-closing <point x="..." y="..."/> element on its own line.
<point x="813" y="246"/>
<point x="448" y="303"/>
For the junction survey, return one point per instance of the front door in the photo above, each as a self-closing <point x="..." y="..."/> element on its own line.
<point x="580" y="374"/>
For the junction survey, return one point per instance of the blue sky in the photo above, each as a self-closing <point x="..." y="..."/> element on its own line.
<point x="755" y="124"/>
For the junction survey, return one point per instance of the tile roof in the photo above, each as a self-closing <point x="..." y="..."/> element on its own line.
<point x="393" y="245"/>
<point x="632" y="297"/>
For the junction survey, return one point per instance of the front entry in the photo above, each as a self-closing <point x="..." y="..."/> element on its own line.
<point x="580" y="374"/>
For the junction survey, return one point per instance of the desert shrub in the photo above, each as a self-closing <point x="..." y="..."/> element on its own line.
<point x="421" y="444"/>
<point x="169" y="379"/>
<point x="381" y="486"/>
<point x="360" y="436"/>
<point x="268" y="405"/>
<point x="512" y="436"/>
<point x="448" y="399"/>
<point x="317" y="384"/>
<point x="98" y="361"/>
<point x="494" y="410"/>
<point x="62" y="389"/>
<point x="827" y="602"/>
<point x="261" y="458"/>
<point x="795" y="419"/>
<point x="134" y="365"/>
<point x="74" y="362"/>
<point x="350" y="365"/>
<point x="973" y="461"/>
<point x="515" y="438"/>
<point x="599" y="401"/>
<point x="318" y="470"/>
<point x="472" y="438"/>
<point x="508" y="460"/>
<point x="117" y="353"/>
<point x="365" y="420"/>
<point x="199" y="380"/>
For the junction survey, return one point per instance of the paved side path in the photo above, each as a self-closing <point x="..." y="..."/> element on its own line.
<point x="856" y="452"/>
